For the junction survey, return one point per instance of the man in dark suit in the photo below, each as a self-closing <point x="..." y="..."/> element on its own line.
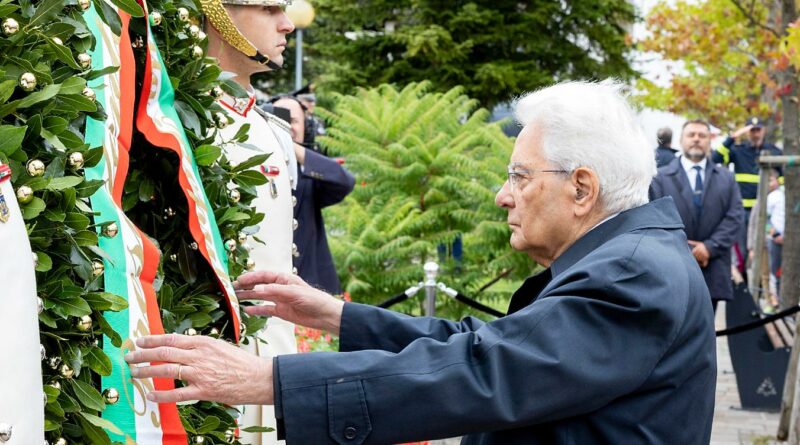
<point x="613" y="343"/>
<point x="322" y="182"/>
<point x="709" y="203"/>
<point x="664" y="152"/>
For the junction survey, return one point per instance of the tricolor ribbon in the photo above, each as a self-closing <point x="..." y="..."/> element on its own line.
<point x="133" y="262"/>
<point x="158" y="120"/>
<point x="133" y="258"/>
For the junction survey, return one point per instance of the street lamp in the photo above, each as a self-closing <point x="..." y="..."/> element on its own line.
<point x="301" y="13"/>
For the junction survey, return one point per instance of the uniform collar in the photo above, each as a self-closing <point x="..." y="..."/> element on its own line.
<point x="240" y="105"/>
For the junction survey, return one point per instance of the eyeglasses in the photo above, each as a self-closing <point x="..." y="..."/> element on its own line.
<point x="515" y="175"/>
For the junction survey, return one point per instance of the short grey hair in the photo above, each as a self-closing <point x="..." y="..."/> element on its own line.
<point x="591" y="124"/>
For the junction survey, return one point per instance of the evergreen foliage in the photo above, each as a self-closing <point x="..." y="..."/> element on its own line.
<point x="47" y="124"/>
<point x="493" y="48"/>
<point x="427" y="166"/>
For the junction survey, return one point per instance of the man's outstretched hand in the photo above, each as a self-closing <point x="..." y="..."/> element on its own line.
<point x="211" y="369"/>
<point x="294" y="300"/>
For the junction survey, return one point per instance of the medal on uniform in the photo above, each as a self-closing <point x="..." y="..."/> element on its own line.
<point x="271" y="172"/>
<point x="5" y="213"/>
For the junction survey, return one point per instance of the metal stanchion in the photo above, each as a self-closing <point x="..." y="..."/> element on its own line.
<point x="431" y="271"/>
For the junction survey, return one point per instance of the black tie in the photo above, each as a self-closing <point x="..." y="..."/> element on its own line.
<point x="697" y="197"/>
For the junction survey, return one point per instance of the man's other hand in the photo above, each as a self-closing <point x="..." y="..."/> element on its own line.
<point x="293" y="300"/>
<point x="700" y="252"/>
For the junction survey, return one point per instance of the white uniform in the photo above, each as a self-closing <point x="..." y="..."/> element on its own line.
<point x="21" y="396"/>
<point x="267" y="134"/>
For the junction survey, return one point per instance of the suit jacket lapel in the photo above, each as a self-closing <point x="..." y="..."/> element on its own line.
<point x="681" y="183"/>
<point x="710" y="181"/>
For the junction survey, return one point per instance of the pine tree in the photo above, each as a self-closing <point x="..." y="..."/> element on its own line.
<point x="427" y="166"/>
<point x="493" y="48"/>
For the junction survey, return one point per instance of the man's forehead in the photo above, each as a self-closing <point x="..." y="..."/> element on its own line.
<point x="527" y="147"/>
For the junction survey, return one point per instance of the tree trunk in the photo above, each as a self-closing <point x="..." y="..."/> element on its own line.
<point x="790" y="283"/>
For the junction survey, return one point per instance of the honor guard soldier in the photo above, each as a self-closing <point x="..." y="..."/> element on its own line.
<point x="247" y="37"/>
<point x="744" y="157"/>
<point x="21" y="395"/>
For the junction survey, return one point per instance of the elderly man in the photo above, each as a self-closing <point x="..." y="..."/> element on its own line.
<point x="709" y="203"/>
<point x="612" y="343"/>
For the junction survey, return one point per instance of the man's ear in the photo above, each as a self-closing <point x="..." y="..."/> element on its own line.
<point x="587" y="190"/>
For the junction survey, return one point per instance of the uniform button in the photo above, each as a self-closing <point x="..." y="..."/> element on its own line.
<point x="294" y="270"/>
<point x="295" y="252"/>
<point x="5" y="432"/>
<point x="295" y="224"/>
<point x="350" y="432"/>
<point x="294" y="201"/>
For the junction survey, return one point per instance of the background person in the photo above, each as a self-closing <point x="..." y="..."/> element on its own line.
<point x="709" y="203"/>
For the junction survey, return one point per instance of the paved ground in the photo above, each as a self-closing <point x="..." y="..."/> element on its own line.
<point x="732" y="425"/>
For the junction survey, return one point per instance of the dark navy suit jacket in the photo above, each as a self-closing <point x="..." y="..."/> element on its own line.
<point x="322" y="182"/>
<point x="604" y="347"/>
<point x="719" y="222"/>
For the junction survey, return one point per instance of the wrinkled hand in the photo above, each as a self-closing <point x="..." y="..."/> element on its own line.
<point x="294" y="300"/>
<point x="212" y="370"/>
<point x="700" y="252"/>
<point x="778" y="240"/>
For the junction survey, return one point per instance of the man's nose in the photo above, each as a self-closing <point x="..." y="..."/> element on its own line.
<point x="504" y="198"/>
<point x="286" y="25"/>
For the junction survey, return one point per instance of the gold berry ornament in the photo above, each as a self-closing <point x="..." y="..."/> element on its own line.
<point x="10" y="27"/>
<point x="156" y="18"/>
<point x="98" y="268"/>
<point x="75" y="160"/>
<point x="111" y="396"/>
<point x="24" y="194"/>
<point x="183" y="14"/>
<point x="84" y="60"/>
<point x="89" y="94"/>
<point x="111" y="230"/>
<point x="35" y="168"/>
<point x="84" y="324"/>
<point x="27" y="81"/>
<point x="234" y="195"/>
<point x="66" y="371"/>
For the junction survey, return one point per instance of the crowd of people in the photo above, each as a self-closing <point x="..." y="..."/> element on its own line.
<point x="715" y="191"/>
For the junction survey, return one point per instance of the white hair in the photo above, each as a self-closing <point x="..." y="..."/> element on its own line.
<point x="590" y="124"/>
